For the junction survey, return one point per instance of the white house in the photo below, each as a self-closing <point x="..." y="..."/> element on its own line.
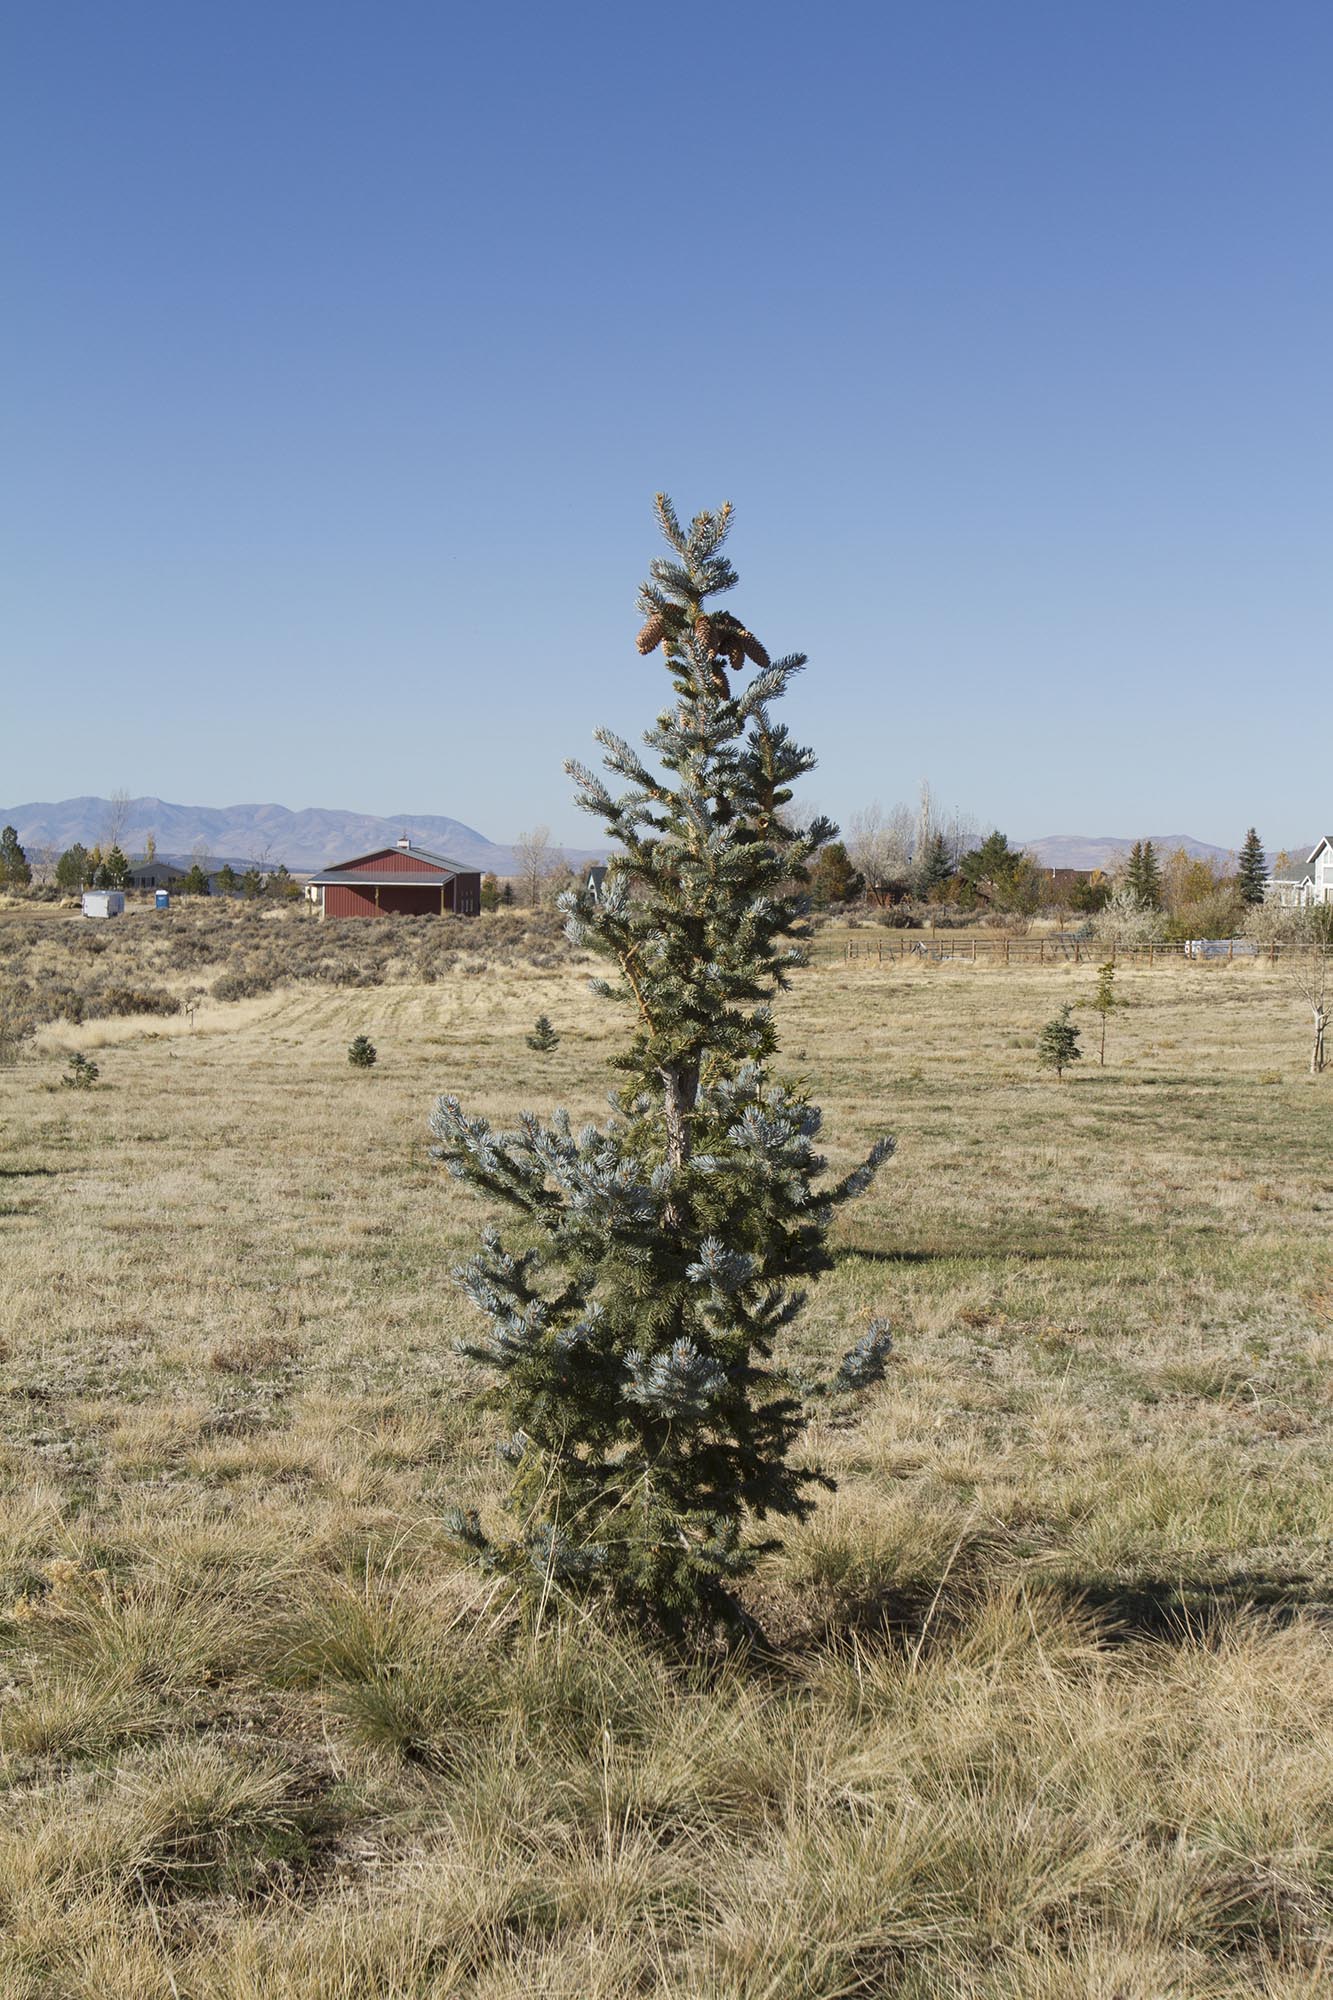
<point x="1313" y="883"/>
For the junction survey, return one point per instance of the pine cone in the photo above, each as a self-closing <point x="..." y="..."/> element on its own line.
<point x="703" y="631"/>
<point x="652" y="635"/>
<point x="756" y="652"/>
<point x="736" y="654"/>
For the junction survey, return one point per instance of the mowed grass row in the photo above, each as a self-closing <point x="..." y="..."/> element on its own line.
<point x="1048" y="1706"/>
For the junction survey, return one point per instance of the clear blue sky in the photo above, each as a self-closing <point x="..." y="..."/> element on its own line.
<point x="344" y="346"/>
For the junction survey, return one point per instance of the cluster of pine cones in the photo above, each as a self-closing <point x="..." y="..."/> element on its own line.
<point x="720" y="633"/>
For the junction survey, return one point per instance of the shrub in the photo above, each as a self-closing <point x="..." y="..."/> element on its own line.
<point x="138" y="1000"/>
<point x="1217" y="915"/>
<point x="249" y="982"/>
<point x="16" y="1018"/>
<point x="362" y="1053"/>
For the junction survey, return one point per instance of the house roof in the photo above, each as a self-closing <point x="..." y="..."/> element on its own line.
<point x="412" y="853"/>
<point x="434" y="868"/>
<point x="1318" y="848"/>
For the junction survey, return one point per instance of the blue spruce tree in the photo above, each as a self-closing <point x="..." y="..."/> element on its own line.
<point x="664" y="1252"/>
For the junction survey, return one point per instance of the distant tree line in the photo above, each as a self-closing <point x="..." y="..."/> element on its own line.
<point x="921" y="860"/>
<point x="80" y="867"/>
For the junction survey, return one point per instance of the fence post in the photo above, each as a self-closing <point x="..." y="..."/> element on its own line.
<point x="1077" y="959"/>
<point x="1006" y="951"/>
<point x="1042" y="943"/>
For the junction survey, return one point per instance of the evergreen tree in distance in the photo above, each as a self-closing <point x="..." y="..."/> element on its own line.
<point x="543" y="1037"/>
<point x="1143" y="875"/>
<point x="1134" y="869"/>
<point x="664" y="1250"/>
<point x="936" y="865"/>
<point x="1057" y="1044"/>
<point x="833" y="878"/>
<point x="362" y="1053"/>
<point x="1252" y="871"/>
<point x="72" y="869"/>
<point x="15" y="872"/>
<point x="116" y="868"/>
<point x="1151" y="892"/>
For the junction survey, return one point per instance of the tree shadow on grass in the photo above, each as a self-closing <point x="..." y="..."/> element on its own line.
<point x="919" y="1618"/>
<point x="1036" y="1250"/>
<point x="1178" y="1607"/>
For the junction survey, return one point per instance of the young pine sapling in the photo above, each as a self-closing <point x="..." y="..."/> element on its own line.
<point x="663" y="1251"/>
<point x="82" y="1072"/>
<point x="1058" y="1043"/>
<point x="1105" y="1002"/>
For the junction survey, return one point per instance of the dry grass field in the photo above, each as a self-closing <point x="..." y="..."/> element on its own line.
<point x="1048" y="1709"/>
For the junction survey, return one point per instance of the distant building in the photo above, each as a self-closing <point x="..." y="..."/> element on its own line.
<point x="397" y="881"/>
<point x="596" y="877"/>
<point x="154" y="874"/>
<point x="1311" y="884"/>
<point x="103" y="903"/>
<point x="1060" y="883"/>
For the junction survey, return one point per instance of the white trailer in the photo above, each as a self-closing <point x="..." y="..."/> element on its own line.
<point x="103" y="903"/>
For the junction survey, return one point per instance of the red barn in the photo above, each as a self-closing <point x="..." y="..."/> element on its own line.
<point x="398" y="881"/>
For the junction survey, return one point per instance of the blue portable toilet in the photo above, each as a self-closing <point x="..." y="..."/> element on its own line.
<point x="162" y="900"/>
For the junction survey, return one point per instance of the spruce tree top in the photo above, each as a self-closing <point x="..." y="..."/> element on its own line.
<point x="662" y="1252"/>
<point x="713" y="924"/>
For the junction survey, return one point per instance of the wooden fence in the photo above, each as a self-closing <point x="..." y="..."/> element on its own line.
<point x="904" y="946"/>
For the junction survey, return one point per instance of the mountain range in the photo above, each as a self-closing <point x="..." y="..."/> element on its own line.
<point x="256" y="835"/>
<point x="263" y="835"/>
<point x="1092" y="850"/>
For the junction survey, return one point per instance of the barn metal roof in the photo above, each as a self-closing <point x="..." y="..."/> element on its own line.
<point x="438" y="867"/>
